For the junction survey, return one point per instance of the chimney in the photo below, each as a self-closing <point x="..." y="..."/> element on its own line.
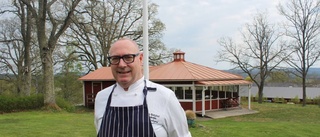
<point x="178" y="56"/>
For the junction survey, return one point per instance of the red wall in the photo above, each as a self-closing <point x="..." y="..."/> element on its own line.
<point x="186" y="105"/>
<point x="214" y="103"/>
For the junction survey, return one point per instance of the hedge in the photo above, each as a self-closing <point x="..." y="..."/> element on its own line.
<point x="20" y="103"/>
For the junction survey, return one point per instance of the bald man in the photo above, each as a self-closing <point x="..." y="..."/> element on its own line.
<point x="135" y="107"/>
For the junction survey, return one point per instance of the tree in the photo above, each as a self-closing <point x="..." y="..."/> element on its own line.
<point x="66" y="83"/>
<point x="17" y="36"/>
<point x="11" y="57"/>
<point x="258" y="55"/>
<point x="99" y="24"/>
<point x="50" y="24"/>
<point x="303" y="30"/>
<point x="279" y="77"/>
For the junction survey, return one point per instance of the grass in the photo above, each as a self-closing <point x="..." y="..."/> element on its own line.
<point x="47" y="124"/>
<point x="280" y="120"/>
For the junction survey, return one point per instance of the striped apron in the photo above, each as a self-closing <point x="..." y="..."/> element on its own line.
<point x="131" y="121"/>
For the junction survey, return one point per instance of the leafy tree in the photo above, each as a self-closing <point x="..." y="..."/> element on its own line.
<point x="303" y="29"/>
<point x="100" y="23"/>
<point x="67" y="84"/>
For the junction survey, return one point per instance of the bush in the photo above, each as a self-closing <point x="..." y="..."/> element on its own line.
<point x="317" y="100"/>
<point x="296" y="100"/>
<point x="13" y="103"/>
<point x="65" y="105"/>
<point x="191" y="116"/>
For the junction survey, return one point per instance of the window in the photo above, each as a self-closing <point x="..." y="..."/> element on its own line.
<point x="214" y="94"/>
<point x="222" y="94"/>
<point x="198" y="94"/>
<point x="208" y="94"/>
<point x="188" y="93"/>
<point x="179" y="92"/>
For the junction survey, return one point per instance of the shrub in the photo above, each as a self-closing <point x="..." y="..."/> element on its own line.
<point x="13" y="103"/>
<point x="296" y="100"/>
<point x="317" y="100"/>
<point x="309" y="100"/>
<point x="191" y="116"/>
<point x="65" y="105"/>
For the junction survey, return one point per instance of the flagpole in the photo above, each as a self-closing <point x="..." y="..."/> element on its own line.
<point x="145" y="40"/>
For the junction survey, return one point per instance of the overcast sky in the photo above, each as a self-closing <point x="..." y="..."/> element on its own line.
<point x="194" y="26"/>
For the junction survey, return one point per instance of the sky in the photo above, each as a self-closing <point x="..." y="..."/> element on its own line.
<point x="194" y="26"/>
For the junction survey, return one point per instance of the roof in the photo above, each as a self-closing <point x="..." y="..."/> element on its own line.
<point x="187" y="71"/>
<point x="177" y="70"/>
<point x="103" y="73"/>
<point x="224" y="82"/>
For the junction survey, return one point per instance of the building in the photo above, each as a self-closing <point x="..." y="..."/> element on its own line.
<point x="198" y="88"/>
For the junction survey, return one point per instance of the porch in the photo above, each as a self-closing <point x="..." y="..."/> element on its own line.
<point x="215" y="114"/>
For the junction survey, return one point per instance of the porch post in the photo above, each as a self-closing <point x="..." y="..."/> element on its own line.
<point x="204" y="88"/>
<point x="194" y="99"/>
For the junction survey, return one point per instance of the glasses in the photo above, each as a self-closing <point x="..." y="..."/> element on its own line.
<point x="128" y="58"/>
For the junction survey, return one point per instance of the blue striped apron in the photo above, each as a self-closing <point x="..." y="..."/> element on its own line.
<point x="131" y="121"/>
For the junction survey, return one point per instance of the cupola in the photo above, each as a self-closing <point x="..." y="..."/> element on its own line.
<point x="178" y="56"/>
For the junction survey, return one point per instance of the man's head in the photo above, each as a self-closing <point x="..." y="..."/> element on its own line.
<point x="126" y="62"/>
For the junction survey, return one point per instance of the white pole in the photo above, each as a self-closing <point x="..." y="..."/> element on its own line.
<point x="145" y="40"/>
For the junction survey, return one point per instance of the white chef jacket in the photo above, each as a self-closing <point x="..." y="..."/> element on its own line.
<point x="166" y="114"/>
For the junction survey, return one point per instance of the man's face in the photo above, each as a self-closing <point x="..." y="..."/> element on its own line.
<point x="126" y="73"/>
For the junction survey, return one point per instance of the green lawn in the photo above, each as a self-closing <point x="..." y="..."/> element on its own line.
<point x="273" y="120"/>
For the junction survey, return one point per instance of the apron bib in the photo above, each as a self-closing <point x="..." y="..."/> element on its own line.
<point x="131" y="121"/>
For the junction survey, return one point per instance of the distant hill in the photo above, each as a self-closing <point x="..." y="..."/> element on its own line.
<point x="314" y="72"/>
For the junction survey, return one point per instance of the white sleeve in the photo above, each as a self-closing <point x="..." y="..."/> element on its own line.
<point x="97" y="114"/>
<point x="176" y="120"/>
<point x="100" y="107"/>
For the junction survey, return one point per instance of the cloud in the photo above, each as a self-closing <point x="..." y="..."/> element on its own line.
<point x="194" y="26"/>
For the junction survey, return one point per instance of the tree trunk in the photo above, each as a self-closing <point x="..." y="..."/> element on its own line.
<point x="304" y="95"/>
<point x="260" y="93"/>
<point x="26" y="84"/>
<point x="48" y="78"/>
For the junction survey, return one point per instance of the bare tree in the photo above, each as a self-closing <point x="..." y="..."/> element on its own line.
<point x="51" y="24"/>
<point x="258" y="55"/>
<point x="100" y="23"/>
<point x="17" y="36"/>
<point x="303" y="29"/>
<point x="11" y="53"/>
<point x="26" y="31"/>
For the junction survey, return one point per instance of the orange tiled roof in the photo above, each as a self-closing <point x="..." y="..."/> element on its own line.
<point x="224" y="82"/>
<point x="177" y="70"/>
<point x="100" y="74"/>
<point x="186" y="71"/>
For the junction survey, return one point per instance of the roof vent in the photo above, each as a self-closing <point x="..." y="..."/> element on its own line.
<point x="178" y="56"/>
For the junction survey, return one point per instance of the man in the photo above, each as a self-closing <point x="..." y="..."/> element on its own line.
<point x="134" y="107"/>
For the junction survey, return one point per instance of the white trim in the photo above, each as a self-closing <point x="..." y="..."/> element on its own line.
<point x="182" y="100"/>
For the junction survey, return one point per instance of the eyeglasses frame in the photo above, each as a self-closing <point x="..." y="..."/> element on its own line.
<point x="122" y="57"/>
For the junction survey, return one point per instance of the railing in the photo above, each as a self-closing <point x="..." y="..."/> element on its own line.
<point x="90" y="99"/>
<point x="229" y="102"/>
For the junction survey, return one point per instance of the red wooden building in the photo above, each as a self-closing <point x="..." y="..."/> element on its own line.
<point x="198" y="88"/>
